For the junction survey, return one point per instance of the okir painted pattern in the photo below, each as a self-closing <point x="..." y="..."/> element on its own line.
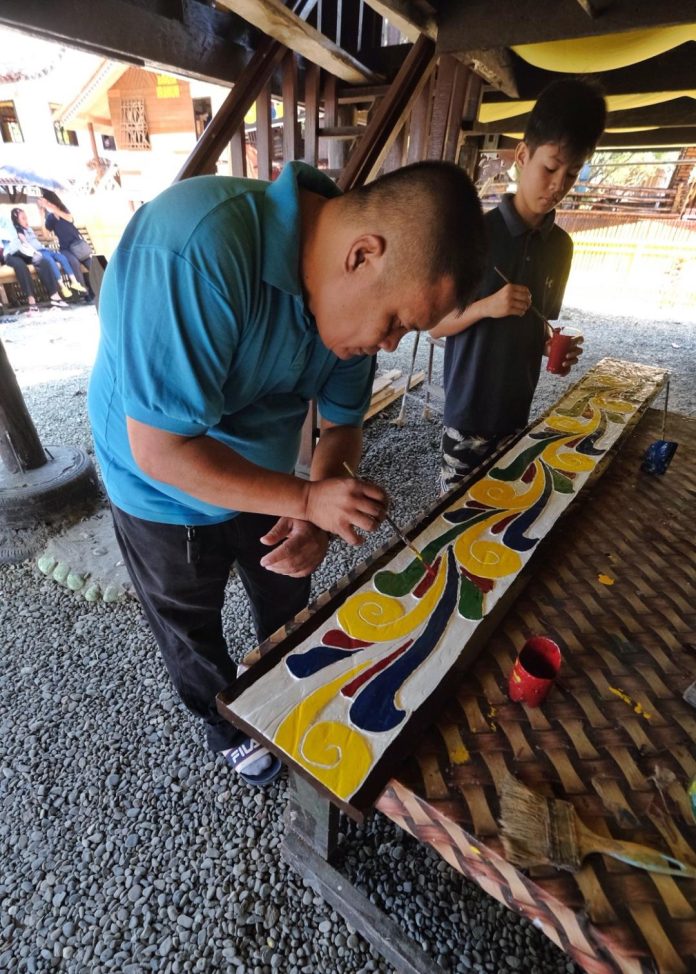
<point x="336" y="702"/>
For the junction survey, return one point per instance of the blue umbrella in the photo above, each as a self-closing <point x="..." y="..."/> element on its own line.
<point x="19" y="177"/>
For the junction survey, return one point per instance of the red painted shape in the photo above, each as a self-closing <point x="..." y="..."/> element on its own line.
<point x="427" y="580"/>
<point x="341" y="640"/>
<point x="528" y="475"/>
<point x="501" y="525"/>
<point x="482" y="584"/>
<point x="350" y="689"/>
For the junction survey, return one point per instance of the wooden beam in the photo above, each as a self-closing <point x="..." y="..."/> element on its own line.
<point x="677" y="113"/>
<point x="495" y="66"/>
<point x="281" y="23"/>
<point x="122" y="31"/>
<point x="473" y="25"/>
<point x="410" y="17"/>
<point x="389" y="115"/>
<point x="653" y="139"/>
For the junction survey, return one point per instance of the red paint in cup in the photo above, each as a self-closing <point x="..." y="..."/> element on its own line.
<point x="561" y="343"/>
<point x="535" y="669"/>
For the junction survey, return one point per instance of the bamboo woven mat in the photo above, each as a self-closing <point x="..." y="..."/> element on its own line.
<point x="613" y="729"/>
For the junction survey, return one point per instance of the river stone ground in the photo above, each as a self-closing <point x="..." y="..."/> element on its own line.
<point x="123" y="845"/>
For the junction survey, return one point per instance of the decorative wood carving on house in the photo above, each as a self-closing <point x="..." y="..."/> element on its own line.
<point x="134" y="133"/>
<point x="346" y="689"/>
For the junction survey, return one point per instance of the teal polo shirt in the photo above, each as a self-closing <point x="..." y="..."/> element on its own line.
<point x="204" y="331"/>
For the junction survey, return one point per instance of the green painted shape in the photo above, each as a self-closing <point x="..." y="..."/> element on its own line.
<point x="520" y="463"/>
<point x="470" y="599"/>
<point x="561" y="483"/>
<point x="578" y="408"/>
<point x="401" y="583"/>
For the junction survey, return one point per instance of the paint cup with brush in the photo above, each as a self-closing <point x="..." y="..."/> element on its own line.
<point x="534" y="672"/>
<point x="562" y="341"/>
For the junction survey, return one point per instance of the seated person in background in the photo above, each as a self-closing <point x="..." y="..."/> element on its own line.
<point x="30" y="245"/>
<point x="59" y="220"/>
<point x="19" y="263"/>
<point x="494" y="348"/>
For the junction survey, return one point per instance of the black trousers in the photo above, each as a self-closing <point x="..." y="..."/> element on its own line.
<point x="179" y="575"/>
<point x="24" y="279"/>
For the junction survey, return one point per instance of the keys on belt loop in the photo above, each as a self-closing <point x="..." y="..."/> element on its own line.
<point x="192" y="550"/>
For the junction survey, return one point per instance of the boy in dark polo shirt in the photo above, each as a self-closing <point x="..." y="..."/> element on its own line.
<point x="494" y="348"/>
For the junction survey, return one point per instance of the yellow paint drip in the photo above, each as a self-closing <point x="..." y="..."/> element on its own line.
<point x="605" y="579"/>
<point x="637" y="707"/>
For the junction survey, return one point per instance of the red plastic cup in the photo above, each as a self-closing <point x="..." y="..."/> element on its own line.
<point x="535" y="669"/>
<point x="560" y="346"/>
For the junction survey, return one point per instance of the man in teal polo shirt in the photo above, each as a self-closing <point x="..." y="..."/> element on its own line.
<point x="228" y="305"/>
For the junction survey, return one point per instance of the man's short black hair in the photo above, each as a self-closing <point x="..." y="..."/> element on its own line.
<point x="570" y="112"/>
<point x="435" y="215"/>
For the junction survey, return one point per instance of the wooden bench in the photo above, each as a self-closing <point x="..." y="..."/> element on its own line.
<point x="11" y="294"/>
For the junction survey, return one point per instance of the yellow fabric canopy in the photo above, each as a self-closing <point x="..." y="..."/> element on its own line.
<point x="587" y="55"/>
<point x="495" y="111"/>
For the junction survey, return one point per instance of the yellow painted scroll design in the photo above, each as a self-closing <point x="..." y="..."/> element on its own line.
<point x="484" y="556"/>
<point x="337" y="754"/>
<point x="377" y="618"/>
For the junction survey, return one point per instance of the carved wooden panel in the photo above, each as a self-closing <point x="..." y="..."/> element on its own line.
<point x="343" y="697"/>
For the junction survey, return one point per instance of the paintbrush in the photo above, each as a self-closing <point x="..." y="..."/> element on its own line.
<point x="537" y="830"/>
<point x="400" y="534"/>
<point x="547" y="323"/>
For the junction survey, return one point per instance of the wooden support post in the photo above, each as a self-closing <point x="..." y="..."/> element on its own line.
<point x="442" y="100"/>
<point x="311" y="99"/>
<point x="20" y="447"/>
<point x="264" y="134"/>
<point x="289" y="71"/>
<point x="238" y="152"/>
<point x="309" y="843"/>
<point x="419" y="125"/>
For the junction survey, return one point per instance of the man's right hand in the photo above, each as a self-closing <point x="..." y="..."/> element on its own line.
<point x="342" y="504"/>
<point x="513" y="299"/>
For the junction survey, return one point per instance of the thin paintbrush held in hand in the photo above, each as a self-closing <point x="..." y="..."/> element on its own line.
<point x="537" y="830"/>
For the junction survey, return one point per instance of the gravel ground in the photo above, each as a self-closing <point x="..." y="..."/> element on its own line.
<point x="123" y="845"/>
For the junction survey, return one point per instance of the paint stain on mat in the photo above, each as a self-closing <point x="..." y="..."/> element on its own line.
<point x="636" y="707"/>
<point x="605" y="579"/>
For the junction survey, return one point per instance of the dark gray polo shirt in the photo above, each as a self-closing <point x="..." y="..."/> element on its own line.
<point x="492" y="368"/>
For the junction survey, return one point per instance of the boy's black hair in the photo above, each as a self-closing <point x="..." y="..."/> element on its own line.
<point x="570" y="112"/>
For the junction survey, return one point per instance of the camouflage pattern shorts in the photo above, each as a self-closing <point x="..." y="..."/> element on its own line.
<point x="462" y="452"/>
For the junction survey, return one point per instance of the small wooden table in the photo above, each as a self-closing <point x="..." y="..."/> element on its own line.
<point x="614" y="737"/>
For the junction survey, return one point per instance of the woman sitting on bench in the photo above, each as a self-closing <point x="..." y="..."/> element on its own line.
<point x="29" y="246"/>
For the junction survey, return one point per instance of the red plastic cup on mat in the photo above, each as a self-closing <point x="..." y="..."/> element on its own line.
<point x="560" y="346"/>
<point x="535" y="669"/>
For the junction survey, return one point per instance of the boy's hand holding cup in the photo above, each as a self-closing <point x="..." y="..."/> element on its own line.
<point x="563" y="348"/>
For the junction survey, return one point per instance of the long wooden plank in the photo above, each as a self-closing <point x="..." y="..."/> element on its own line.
<point x="463" y="26"/>
<point x="342" y="697"/>
<point x="123" y="31"/>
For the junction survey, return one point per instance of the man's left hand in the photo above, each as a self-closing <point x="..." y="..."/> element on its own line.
<point x="303" y="547"/>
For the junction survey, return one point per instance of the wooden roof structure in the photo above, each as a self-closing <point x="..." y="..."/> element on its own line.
<point x="643" y="53"/>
